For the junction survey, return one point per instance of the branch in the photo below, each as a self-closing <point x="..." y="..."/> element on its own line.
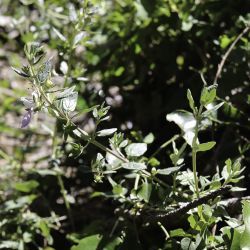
<point x="174" y="216"/>
<point x="224" y="58"/>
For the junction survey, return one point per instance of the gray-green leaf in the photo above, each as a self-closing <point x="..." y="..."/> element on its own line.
<point x="206" y="146"/>
<point x="136" y="149"/>
<point x="134" y="166"/>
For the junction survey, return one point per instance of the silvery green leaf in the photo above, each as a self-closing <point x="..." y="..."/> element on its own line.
<point x="69" y="102"/>
<point x="106" y="132"/>
<point x="27" y="102"/>
<point x="59" y="34"/>
<point x="136" y="149"/>
<point x="19" y="72"/>
<point x="64" y="67"/>
<point x="134" y="166"/>
<point x="211" y="109"/>
<point x="168" y="171"/>
<point x="206" y="146"/>
<point x="186" y="122"/>
<point x="44" y="71"/>
<point x="79" y="37"/>
<point x="190" y="99"/>
<point x="112" y="160"/>
<point x="66" y="92"/>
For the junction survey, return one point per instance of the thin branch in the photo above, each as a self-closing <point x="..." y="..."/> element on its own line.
<point x="224" y="58"/>
<point x="150" y="215"/>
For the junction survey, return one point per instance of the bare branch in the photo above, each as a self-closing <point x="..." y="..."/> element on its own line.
<point x="225" y="56"/>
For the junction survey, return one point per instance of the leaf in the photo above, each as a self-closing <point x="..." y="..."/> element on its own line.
<point x="19" y="72"/>
<point x="245" y="237"/>
<point x="67" y="99"/>
<point x="134" y="166"/>
<point x="186" y="122"/>
<point x="69" y="103"/>
<point x="145" y="191"/>
<point x="190" y="99"/>
<point x="106" y="132"/>
<point x="113" y="244"/>
<point x="167" y="171"/>
<point x="27" y="102"/>
<point x="26" y="186"/>
<point x="59" y="34"/>
<point x="64" y="67"/>
<point x="26" y="119"/>
<point x="88" y="243"/>
<point x="205" y="146"/>
<point x="149" y="138"/>
<point x="79" y="37"/>
<point x="207" y="96"/>
<point x="211" y="109"/>
<point x="136" y="149"/>
<point x="44" y="71"/>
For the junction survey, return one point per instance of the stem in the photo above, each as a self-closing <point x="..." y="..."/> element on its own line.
<point x="225" y="56"/>
<point x="194" y="151"/>
<point x="165" y="144"/>
<point x="67" y="205"/>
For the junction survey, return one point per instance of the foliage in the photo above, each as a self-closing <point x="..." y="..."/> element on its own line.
<point x="89" y="165"/>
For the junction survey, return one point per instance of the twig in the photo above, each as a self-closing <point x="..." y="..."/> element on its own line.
<point x="224" y="58"/>
<point x="178" y="213"/>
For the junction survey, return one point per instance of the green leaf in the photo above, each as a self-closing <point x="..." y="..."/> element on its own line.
<point x="144" y="192"/>
<point x="44" y="228"/>
<point x="167" y="171"/>
<point x="79" y="37"/>
<point x="26" y="186"/>
<point x="59" y="34"/>
<point x="245" y="237"/>
<point x="134" y="166"/>
<point x="207" y="96"/>
<point x="206" y="146"/>
<point x="106" y="132"/>
<point x="190" y="99"/>
<point x="113" y="244"/>
<point x="149" y="138"/>
<point x="136" y="149"/>
<point x="88" y="243"/>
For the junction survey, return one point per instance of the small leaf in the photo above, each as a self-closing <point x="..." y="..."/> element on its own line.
<point x="26" y="186"/>
<point x="88" y="243"/>
<point x="79" y="37"/>
<point x="145" y="191"/>
<point x="186" y="122"/>
<point x="206" y="146"/>
<point x="27" y="102"/>
<point x="19" y="72"/>
<point x="207" y="96"/>
<point x="106" y="132"/>
<point x="26" y="119"/>
<point x="190" y="99"/>
<point x="44" y="71"/>
<point x="136" y="149"/>
<point x="64" y="67"/>
<point x="149" y="138"/>
<point x="60" y="35"/>
<point x="167" y="171"/>
<point x="245" y="237"/>
<point x="134" y="166"/>
<point x="69" y="103"/>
